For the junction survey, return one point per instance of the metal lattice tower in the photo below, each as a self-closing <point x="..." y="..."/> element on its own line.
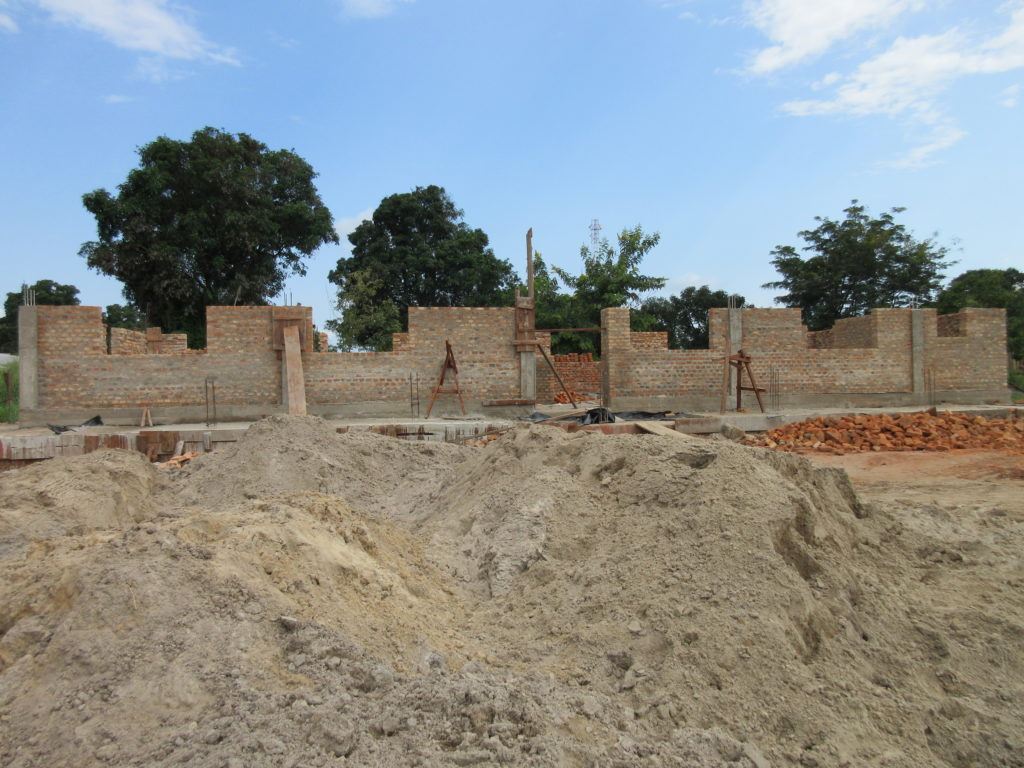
<point x="595" y="233"/>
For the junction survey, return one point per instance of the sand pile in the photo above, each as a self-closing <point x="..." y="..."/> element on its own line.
<point x="683" y="582"/>
<point x="284" y="454"/>
<point x="925" y="431"/>
<point x="309" y="598"/>
<point x="69" y="497"/>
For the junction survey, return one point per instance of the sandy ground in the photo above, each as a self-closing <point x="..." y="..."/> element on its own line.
<point x="304" y="598"/>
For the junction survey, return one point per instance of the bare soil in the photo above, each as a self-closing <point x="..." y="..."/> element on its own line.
<point x="305" y="598"/>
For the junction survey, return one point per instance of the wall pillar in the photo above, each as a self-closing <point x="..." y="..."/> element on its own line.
<point x="735" y="335"/>
<point x="527" y="374"/>
<point x="28" y="357"/>
<point x="615" y="347"/>
<point x="917" y="355"/>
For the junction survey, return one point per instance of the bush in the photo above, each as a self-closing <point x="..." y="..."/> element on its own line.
<point x="9" y="400"/>
<point x="1016" y="380"/>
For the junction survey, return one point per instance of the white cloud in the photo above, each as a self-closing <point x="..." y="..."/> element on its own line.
<point x="907" y="80"/>
<point x="941" y="137"/>
<point x="116" y="98"/>
<point x="347" y="224"/>
<point x="1009" y="97"/>
<point x="148" y="26"/>
<point x="157" y="69"/>
<point x="370" y="9"/>
<point x="913" y="71"/>
<point x="830" y="79"/>
<point x="804" y="29"/>
<point x="7" y="24"/>
<point x="678" y="7"/>
<point x="674" y="285"/>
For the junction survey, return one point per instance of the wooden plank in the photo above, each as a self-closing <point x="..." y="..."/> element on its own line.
<point x="295" y="382"/>
<point x="559" y="378"/>
<point x="656" y="428"/>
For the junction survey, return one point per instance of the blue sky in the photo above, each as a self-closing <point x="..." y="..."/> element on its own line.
<point x="725" y="126"/>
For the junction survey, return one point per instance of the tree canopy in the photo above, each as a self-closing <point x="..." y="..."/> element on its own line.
<point x="124" y="316"/>
<point x="219" y="219"/>
<point x="416" y="251"/>
<point x="685" y="316"/>
<point x="990" y="288"/>
<point x="47" y="292"/>
<point x="611" y="277"/>
<point x="857" y="263"/>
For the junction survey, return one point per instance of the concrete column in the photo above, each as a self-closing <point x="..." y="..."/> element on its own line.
<point x="917" y="354"/>
<point x="28" y="357"/>
<point x="528" y="375"/>
<point x="735" y="336"/>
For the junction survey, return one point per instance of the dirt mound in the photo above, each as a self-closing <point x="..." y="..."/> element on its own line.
<point x="681" y="582"/>
<point x="925" y="431"/>
<point x="554" y="599"/>
<point x="285" y="454"/>
<point x="105" y="489"/>
<point x="271" y="628"/>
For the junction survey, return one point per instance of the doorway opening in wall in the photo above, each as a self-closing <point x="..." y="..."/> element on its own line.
<point x="569" y="365"/>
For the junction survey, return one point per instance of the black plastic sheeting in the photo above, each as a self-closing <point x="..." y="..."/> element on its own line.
<point x="58" y="429"/>
<point x="604" y="416"/>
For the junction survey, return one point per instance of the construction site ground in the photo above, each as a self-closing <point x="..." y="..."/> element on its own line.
<point x="704" y="422"/>
<point x="307" y="598"/>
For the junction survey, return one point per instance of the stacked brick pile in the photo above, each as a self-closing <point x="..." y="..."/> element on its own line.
<point x="924" y="431"/>
<point x="561" y="397"/>
<point x="580" y="372"/>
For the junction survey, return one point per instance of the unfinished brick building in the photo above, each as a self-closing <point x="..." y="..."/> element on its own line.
<point x="72" y="369"/>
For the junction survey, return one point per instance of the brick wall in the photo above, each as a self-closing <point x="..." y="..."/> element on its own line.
<point x="864" y="360"/>
<point x="70" y="331"/>
<point x="579" y="371"/>
<point x="951" y="325"/>
<point x="868" y="360"/>
<point x="481" y="341"/>
<point x="966" y="349"/>
<point x="125" y="341"/>
<point x="848" y="333"/>
<point x="152" y="368"/>
<point x="152" y="341"/>
<point x="649" y="339"/>
<point x="231" y="330"/>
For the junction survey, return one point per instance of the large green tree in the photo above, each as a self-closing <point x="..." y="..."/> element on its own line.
<point x="218" y="219"/>
<point x="611" y="277"/>
<point x="124" y="316"/>
<point x="857" y="263"/>
<point x="554" y="308"/>
<point x="416" y="251"/>
<point x="46" y="292"/>
<point x="990" y="288"/>
<point x="685" y="316"/>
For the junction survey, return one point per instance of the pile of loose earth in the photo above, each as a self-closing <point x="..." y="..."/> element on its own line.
<point x="551" y="599"/>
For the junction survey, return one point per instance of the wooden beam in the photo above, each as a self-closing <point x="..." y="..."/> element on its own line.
<point x="560" y="382"/>
<point x="294" y="381"/>
<point x="657" y="428"/>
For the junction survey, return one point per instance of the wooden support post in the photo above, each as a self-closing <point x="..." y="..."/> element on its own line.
<point x="448" y="365"/>
<point x="294" y="382"/>
<point x="726" y="368"/>
<point x="741" y="362"/>
<point x="560" y="382"/>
